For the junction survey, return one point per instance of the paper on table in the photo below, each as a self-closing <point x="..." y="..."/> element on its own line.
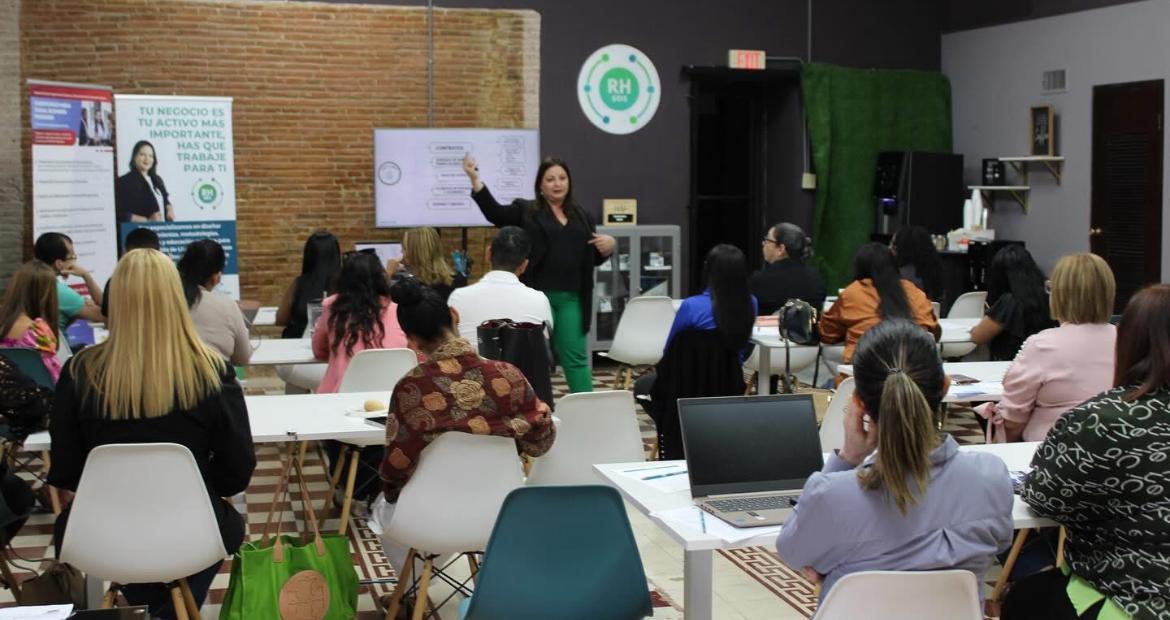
<point x="39" y="612"/>
<point x="977" y="389"/>
<point x="693" y="518"/>
<point x="265" y="316"/>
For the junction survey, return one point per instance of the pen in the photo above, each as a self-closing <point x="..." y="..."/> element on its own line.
<point x="628" y="471"/>
<point x="656" y="476"/>
<point x="703" y="520"/>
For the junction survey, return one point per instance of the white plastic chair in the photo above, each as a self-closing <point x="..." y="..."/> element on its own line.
<point x="640" y="336"/>
<point x="833" y="425"/>
<point x="449" y="507"/>
<point x="903" y="595"/>
<point x="800" y="358"/>
<point x="936" y="308"/>
<point x="301" y="378"/>
<point x="142" y="515"/>
<point x="967" y="306"/>
<point x="596" y="427"/>
<point x="372" y="370"/>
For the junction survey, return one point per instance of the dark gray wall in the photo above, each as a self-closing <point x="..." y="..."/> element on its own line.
<point x="652" y="165"/>
<point x="969" y="14"/>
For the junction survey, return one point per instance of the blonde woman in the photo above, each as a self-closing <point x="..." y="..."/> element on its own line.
<point x="154" y="380"/>
<point x="1059" y="368"/>
<point x="422" y="257"/>
<point x="898" y="496"/>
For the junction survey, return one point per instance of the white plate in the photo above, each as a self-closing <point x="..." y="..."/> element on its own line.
<point x="362" y="413"/>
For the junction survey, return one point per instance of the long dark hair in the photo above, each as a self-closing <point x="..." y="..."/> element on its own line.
<point x="152" y="173"/>
<point x="1012" y="270"/>
<point x="1143" y="342"/>
<point x="422" y="312"/>
<point x="795" y="242"/>
<point x="362" y="291"/>
<point x="320" y="262"/>
<point x="913" y="246"/>
<point x="572" y="210"/>
<point x="202" y="260"/>
<point x="875" y="262"/>
<point x="899" y="378"/>
<point x="726" y="274"/>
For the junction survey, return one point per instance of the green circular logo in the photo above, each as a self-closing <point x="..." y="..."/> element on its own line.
<point x="208" y="193"/>
<point x="619" y="88"/>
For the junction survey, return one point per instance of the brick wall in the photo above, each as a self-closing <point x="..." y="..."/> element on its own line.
<point x="310" y="83"/>
<point x="11" y="193"/>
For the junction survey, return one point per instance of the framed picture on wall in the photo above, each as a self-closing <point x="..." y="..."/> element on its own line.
<point x="1043" y="130"/>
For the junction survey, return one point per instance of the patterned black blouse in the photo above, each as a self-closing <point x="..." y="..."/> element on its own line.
<point x="1104" y="473"/>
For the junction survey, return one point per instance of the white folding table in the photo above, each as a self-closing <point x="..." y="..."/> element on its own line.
<point x="989" y="376"/>
<point x="278" y="351"/>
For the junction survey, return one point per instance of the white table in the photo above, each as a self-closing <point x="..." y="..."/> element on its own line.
<point x="278" y="351"/>
<point x="698" y="547"/>
<point x="265" y="316"/>
<point x="988" y="389"/>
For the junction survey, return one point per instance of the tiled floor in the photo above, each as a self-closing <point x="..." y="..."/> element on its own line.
<point x="749" y="583"/>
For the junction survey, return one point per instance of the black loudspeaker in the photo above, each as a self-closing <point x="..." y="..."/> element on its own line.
<point x="918" y="188"/>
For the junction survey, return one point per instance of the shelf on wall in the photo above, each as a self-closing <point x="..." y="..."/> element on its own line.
<point x="1054" y="165"/>
<point x="1019" y="193"/>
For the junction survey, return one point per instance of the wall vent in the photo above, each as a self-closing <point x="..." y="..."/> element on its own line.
<point x="1053" y="81"/>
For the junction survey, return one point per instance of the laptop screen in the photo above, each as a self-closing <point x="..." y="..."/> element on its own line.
<point x="748" y="444"/>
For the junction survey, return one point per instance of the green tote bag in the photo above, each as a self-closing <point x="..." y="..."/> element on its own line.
<point x="287" y="578"/>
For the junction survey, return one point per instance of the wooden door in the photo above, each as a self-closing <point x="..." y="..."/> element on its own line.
<point x="1126" y="218"/>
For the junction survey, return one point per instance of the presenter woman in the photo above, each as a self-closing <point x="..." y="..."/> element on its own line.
<point x="141" y="194"/>
<point x="565" y="249"/>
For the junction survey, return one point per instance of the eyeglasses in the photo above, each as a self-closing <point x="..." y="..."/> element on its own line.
<point x="769" y="240"/>
<point x="71" y="257"/>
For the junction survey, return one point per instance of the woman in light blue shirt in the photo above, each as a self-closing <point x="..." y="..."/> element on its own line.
<point x="899" y="495"/>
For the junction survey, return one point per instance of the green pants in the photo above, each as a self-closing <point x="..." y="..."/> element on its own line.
<point x="571" y="343"/>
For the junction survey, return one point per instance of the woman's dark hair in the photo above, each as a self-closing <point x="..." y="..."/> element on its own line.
<point x="356" y="313"/>
<point x="1143" y="343"/>
<point x="914" y="246"/>
<point x="875" y="262"/>
<point x="1012" y="270"/>
<point x="201" y="260"/>
<point x="422" y="313"/>
<point x="570" y="206"/>
<point x="899" y="378"/>
<point x="725" y="272"/>
<point x="154" y="178"/>
<point x="795" y="242"/>
<point x="320" y="262"/>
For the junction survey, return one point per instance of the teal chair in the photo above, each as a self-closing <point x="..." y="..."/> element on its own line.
<point x="560" y="553"/>
<point x="29" y="362"/>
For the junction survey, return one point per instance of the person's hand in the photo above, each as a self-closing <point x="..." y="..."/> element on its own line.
<point x="812" y="575"/>
<point x="859" y="442"/>
<point x="72" y="268"/>
<point x="170" y="213"/>
<point x="469" y="167"/>
<point x="603" y="243"/>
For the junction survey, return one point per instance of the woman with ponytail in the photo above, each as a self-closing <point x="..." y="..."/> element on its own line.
<point x="899" y="495"/>
<point x="217" y="318"/>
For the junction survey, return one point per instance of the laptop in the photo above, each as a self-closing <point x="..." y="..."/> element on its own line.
<point x="748" y="457"/>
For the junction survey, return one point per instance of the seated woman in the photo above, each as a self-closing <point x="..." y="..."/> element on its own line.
<point x="28" y="313"/>
<point x="320" y="262"/>
<point x="898" y="496"/>
<point x="877" y="293"/>
<point x="474" y="395"/>
<point x="422" y="257"/>
<point x="785" y="274"/>
<point x="1059" y="368"/>
<point x="918" y="261"/>
<point x="1017" y="303"/>
<point x="154" y="380"/>
<point x="360" y="316"/>
<point x="1101" y="473"/>
<point x="217" y="318"/>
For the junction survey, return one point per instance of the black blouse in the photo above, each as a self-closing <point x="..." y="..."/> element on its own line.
<point x="134" y="195"/>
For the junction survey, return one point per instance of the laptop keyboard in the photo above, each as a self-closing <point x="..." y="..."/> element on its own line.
<point x="763" y="502"/>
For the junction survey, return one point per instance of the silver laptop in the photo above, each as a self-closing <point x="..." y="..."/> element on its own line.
<point x="748" y="457"/>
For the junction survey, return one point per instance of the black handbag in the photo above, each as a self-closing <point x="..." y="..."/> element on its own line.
<point x="527" y="346"/>
<point x="797" y="320"/>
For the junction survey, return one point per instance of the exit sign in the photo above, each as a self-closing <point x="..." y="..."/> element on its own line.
<point x="745" y="59"/>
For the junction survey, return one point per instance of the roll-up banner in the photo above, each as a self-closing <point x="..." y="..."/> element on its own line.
<point x="176" y="173"/>
<point x="73" y="170"/>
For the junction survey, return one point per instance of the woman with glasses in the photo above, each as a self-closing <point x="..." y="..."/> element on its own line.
<point x="1058" y="368"/>
<point x="785" y="275"/>
<point x="359" y="316"/>
<point x="1017" y="301"/>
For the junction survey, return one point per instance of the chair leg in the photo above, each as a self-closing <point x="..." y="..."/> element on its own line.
<point x="628" y="383"/>
<point x="474" y="565"/>
<point x="400" y="589"/>
<point x="301" y="456"/>
<point x="189" y="600"/>
<point x="54" y="496"/>
<point x="347" y="503"/>
<point x="334" y="478"/>
<point x="178" y="603"/>
<point x="1013" y="555"/>
<point x="111" y="596"/>
<point x="421" y="601"/>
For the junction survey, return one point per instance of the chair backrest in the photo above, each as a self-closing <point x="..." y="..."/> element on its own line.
<point x="697" y="364"/>
<point x="832" y="427"/>
<point x="904" y="595"/>
<point x="377" y="370"/>
<point x="141" y="515"/>
<point x="29" y="363"/>
<point x="452" y="499"/>
<point x="593" y="427"/>
<point x="642" y="331"/>
<point x="968" y="306"/>
<point x="936" y="308"/>
<point x="574" y="546"/>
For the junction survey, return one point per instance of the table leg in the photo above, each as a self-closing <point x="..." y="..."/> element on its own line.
<point x="764" y="382"/>
<point x="698" y="569"/>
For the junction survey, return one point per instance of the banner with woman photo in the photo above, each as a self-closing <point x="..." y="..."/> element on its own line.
<point x="176" y="173"/>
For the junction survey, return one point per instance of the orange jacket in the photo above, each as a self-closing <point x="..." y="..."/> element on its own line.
<point x="856" y="310"/>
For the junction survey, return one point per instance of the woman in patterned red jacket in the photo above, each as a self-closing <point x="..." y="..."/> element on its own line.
<point x="455" y="390"/>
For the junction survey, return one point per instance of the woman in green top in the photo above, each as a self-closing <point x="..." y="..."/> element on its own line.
<point x="565" y="249"/>
<point x="1103" y="472"/>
